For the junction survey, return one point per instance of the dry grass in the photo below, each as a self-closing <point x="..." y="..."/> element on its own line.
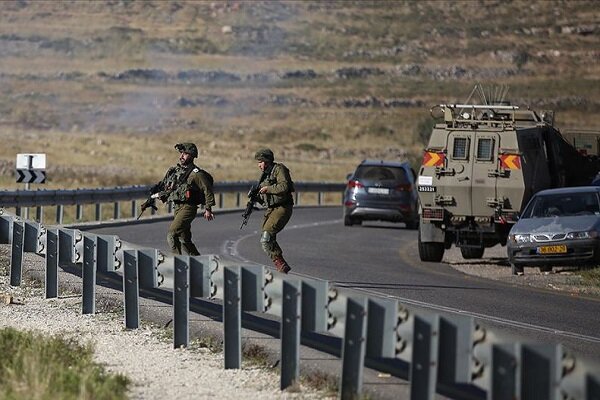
<point x="61" y="97"/>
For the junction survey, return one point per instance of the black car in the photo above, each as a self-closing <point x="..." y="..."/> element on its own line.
<point x="381" y="191"/>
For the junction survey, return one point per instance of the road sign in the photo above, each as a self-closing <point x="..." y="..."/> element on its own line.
<point x="31" y="161"/>
<point x="31" y="176"/>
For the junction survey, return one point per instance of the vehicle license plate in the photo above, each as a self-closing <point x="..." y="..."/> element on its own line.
<point x="378" y="190"/>
<point x="552" y="249"/>
<point x="426" y="188"/>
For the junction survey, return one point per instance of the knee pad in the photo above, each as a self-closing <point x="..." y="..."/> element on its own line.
<point x="267" y="240"/>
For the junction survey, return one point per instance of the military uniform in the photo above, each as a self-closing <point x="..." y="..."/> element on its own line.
<point x="279" y="201"/>
<point x="187" y="186"/>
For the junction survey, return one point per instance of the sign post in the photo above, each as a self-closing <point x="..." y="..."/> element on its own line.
<point x="31" y="169"/>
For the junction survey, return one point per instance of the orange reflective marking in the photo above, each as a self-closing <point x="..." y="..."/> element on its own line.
<point x="510" y="161"/>
<point x="433" y="159"/>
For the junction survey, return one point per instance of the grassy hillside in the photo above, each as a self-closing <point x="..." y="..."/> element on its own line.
<point x="107" y="88"/>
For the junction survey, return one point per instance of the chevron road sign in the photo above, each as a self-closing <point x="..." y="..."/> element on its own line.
<point x="30" y="168"/>
<point x="31" y="176"/>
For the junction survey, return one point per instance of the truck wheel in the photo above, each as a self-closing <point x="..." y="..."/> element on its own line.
<point x="431" y="251"/>
<point x="471" y="252"/>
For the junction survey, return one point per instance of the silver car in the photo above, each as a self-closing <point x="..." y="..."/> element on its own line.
<point x="557" y="227"/>
<point x="381" y="191"/>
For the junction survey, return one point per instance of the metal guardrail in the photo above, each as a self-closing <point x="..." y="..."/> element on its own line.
<point x="114" y="196"/>
<point x="452" y="355"/>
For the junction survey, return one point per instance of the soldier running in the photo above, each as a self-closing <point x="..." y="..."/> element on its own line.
<point x="276" y="188"/>
<point x="187" y="186"/>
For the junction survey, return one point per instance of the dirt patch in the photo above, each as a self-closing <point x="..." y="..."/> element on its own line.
<point x="494" y="265"/>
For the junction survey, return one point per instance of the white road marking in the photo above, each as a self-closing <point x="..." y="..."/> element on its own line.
<point x="230" y="248"/>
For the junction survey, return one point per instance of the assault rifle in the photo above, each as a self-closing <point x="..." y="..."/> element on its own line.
<point x="253" y="198"/>
<point x="150" y="203"/>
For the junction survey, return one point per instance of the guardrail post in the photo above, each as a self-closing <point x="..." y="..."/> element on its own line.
<point x="290" y="333"/>
<point x="98" y="211"/>
<point x="504" y="371"/>
<point x="131" y="290"/>
<point x="117" y="210"/>
<point x="353" y="351"/>
<point x="454" y="356"/>
<point x="39" y="214"/>
<point x="319" y="198"/>
<point x="51" y="264"/>
<point x="381" y="328"/>
<point x="297" y="200"/>
<point x="79" y="212"/>
<point x="133" y="208"/>
<point x="16" y="253"/>
<point x="541" y="371"/>
<point x="221" y="200"/>
<point x="181" y="301"/>
<point x="60" y="211"/>
<point x="238" y="199"/>
<point x="107" y="253"/>
<point x="232" y="317"/>
<point x="314" y="305"/>
<point x="6" y="226"/>
<point x="423" y="367"/>
<point x="89" y="274"/>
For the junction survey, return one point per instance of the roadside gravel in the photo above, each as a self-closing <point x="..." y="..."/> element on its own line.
<point x="494" y="265"/>
<point x="144" y="355"/>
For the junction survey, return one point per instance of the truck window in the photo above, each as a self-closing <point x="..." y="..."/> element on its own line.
<point x="485" y="149"/>
<point x="460" y="150"/>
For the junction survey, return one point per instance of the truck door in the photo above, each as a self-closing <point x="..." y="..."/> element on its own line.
<point x="457" y="186"/>
<point x="484" y="186"/>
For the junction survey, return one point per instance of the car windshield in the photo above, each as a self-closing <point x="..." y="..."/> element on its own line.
<point x="381" y="173"/>
<point x="556" y="205"/>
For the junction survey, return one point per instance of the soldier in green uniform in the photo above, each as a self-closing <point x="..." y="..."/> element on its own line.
<point x="276" y="188"/>
<point x="187" y="186"/>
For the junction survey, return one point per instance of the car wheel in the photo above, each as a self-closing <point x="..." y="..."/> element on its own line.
<point x="471" y="252"/>
<point x="516" y="269"/>
<point x="348" y="221"/>
<point x="431" y="251"/>
<point x="545" y="269"/>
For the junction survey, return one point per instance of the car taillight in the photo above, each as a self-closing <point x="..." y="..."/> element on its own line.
<point x="355" y="184"/>
<point x="404" y="188"/>
<point x="433" y="213"/>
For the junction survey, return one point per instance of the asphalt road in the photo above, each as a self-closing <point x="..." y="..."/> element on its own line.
<point x="383" y="258"/>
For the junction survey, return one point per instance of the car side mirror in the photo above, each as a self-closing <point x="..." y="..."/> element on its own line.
<point x="348" y="177"/>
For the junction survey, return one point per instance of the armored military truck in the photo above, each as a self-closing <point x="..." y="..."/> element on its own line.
<point x="481" y="166"/>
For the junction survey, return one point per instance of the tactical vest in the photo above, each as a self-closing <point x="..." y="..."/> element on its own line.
<point x="183" y="191"/>
<point x="284" y="199"/>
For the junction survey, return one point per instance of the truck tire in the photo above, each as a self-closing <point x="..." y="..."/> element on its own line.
<point x="431" y="251"/>
<point x="471" y="252"/>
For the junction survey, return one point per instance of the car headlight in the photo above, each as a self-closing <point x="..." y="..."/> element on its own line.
<point x="520" y="238"/>
<point x="582" y="235"/>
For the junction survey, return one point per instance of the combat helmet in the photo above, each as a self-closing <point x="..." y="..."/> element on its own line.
<point x="189" y="148"/>
<point x="264" y="155"/>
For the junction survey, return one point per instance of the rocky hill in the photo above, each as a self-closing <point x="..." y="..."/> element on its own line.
<point x="325" y="84"/>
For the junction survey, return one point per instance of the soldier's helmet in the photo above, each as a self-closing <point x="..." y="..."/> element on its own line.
<point x="264" y="155"/>
<point x="189" y="148"/>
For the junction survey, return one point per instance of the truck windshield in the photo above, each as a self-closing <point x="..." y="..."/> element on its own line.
<point x="557" y="205"/>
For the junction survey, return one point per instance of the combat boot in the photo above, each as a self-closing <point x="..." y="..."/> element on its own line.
<point x="281" y="264"/>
